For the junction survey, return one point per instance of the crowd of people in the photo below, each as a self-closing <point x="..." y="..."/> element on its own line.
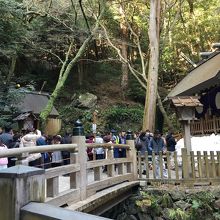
<point x="144" y="141"/>
<point x="157" y="142"/>
<point x="29" y="138"/>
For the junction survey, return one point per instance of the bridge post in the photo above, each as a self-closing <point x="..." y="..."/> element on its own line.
<point x="20" y="185"/>
<point x="132" y="153"/>
<point x="79" y="139"/>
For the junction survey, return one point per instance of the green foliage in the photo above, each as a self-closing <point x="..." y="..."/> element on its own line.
<point x="10" y="96"/>
<point x="178" y="214"/>
<point x="11" y="25"/>
<point x="122" y="117"/>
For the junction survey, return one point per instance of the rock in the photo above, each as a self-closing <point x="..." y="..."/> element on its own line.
<point x="132" y="209"/>
<point x="144" y="216"/>
<point x="131" y="217"/>
<point x="166" y="214"/>
<point x="217" y="204"/>
<point x="86" y="100"/>
<point x="122" y="216"/>
<point x="177" y="195"/>
<point x="182" y="205"/>
<point x="216" y="192"/>
<point x="158" y="218"/>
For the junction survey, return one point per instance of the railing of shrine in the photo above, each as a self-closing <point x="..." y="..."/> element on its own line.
<point x="185" y="169"/>
<point x="205" y="126"/>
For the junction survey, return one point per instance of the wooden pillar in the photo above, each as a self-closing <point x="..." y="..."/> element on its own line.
<point x="187" y="136"/>
<point x="133" y="153"/>
<point x="20" y="185"/>
<point x="79" y="139"/>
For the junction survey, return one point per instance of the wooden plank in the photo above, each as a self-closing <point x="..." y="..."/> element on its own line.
<point x="66" y="197"/>
<point x="154" y="165"/>
<point x="80" y="140"/>
<point x="139" y="164"/>
<point x="168" y="165"/>
<point x="199" y="161"/>
<point x="185" y="163"/>
<point x="161" y="164"/>
<point x="74" y="176"/>
<point x="213" y="169"/>
<point x="128" y="167"/>
<point x="62" y="170"/>
<point x="192" y="158"/>
<point x="121" y="168"/>
<point x="97" y="173"/>
<point x="206" y="164"/>
<point x="218" y="166"/>
<point x="147" y="164"/>
<point x="53" y="187"/>
<point x="176" y="166"/>
<point x="96" y="186"/>
<point x="103" y="162"/>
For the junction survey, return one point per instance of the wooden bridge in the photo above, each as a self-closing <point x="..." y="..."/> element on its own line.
<point x="79" y="186"/>
<point x="82" y="186"/>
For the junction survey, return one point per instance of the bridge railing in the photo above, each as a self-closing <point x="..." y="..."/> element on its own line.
<point x="187" y="169"/>
<point x="81" y="178"/>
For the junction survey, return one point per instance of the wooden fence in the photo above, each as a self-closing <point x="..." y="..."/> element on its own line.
<point x="205" y="126"/>
<point x="187" y="169"/>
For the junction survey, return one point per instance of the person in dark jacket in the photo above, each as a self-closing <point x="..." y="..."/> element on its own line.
<point x="171" y="146"/>
<point x="171" y="142"/>
<point x="7" y="136"/>
<point x="66" y="154"/>
<point x="145" y="139"/>
<point x="157" y="145"/>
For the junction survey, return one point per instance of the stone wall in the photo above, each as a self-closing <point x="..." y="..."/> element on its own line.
<point x="174" y="203"/>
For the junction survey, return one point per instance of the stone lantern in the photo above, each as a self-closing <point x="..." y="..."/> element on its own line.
<point x="185" y="107"/>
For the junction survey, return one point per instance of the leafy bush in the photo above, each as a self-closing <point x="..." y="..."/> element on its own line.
<point x="124" y="117"/>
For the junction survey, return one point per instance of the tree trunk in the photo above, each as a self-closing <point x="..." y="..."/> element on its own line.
<point x="80" y="73"/>
<point x="65" y="71"/>
<point x="12" y="67"/>
<point x="124" y="53"/>
<point x="151" y="95"/>
<point x="160" y="105"/>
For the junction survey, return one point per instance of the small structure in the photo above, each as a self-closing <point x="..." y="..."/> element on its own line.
<point x="30" y="107"/>
<point x="203" y="81"/>
<point x="185" y="106"/>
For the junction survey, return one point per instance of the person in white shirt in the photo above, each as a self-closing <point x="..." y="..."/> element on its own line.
<point x="100" y="152"/>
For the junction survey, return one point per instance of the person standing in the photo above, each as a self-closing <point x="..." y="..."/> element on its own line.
<point x="144" y="140"/>
<point x="57" y="159"/>
<point x="122" y="140"/>
<point x="100" y="152"/>
<point x="7" y="136"/>
<point x="66" y="154"/>
<point x="7" y="140"/>
<point x="4" y="160"/>
<point x="171" y="147"/>
<point x="46" y="158"/>
<point x="157" y="145"/>
<point x="29" y="140"/>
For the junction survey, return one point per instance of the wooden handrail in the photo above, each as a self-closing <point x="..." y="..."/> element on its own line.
<point x="94" y="145"/>
<point x="38" y="149"/>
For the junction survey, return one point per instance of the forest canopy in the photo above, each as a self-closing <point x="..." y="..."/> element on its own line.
<point x="39" y="38"/>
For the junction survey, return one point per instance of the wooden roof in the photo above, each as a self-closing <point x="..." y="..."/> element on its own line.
<point x="35" y="102"/>
<point x="186" y="101"/>
<point x="202" y="77"/>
